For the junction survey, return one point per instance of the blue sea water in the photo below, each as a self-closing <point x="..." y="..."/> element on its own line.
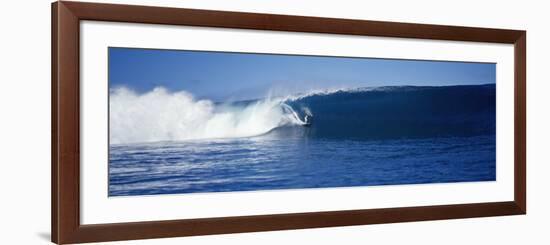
<point x="266" y="164"/>
<point x="389" y="136"/>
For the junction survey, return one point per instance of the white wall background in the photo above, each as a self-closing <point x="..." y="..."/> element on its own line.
<point x="25" y="122"/>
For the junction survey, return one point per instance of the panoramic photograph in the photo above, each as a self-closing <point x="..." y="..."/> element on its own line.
<point x="185" y="122"/>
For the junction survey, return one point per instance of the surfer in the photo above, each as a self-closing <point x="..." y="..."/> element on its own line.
<point x="307" y="120"/>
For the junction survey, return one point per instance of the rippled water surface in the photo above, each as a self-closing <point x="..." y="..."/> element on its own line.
<point x="266" y="163"/>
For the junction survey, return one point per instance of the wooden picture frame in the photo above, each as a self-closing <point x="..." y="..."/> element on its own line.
<point x="65" y="175"/>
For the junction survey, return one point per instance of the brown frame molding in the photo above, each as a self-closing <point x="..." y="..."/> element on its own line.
<point x="65" y="175"/>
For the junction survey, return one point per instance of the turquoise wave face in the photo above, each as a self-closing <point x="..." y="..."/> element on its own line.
<point x="397" y="112"/>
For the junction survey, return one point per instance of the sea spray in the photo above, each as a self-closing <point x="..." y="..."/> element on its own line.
<point x="161" y="115"/>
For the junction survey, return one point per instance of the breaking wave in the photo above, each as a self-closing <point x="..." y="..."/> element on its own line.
<point x="161" y="115"/>
<point x="360" y="113"/>
<point x="397" y="112"/>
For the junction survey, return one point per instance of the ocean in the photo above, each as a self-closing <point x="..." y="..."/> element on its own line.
<point x="351" y="137"/>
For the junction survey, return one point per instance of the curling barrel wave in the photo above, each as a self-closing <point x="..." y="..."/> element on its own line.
<point x="401" y="112"/>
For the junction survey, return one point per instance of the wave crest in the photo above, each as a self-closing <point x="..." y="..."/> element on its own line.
<point x="161" y="115"/>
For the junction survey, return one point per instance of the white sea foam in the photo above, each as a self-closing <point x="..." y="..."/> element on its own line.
<point x="161" y="115"/>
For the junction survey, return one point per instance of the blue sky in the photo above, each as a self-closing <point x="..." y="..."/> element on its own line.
<point x="223" y="76"/>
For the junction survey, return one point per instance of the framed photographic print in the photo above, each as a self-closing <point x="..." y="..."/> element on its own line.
<point x="176" y="122"/>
